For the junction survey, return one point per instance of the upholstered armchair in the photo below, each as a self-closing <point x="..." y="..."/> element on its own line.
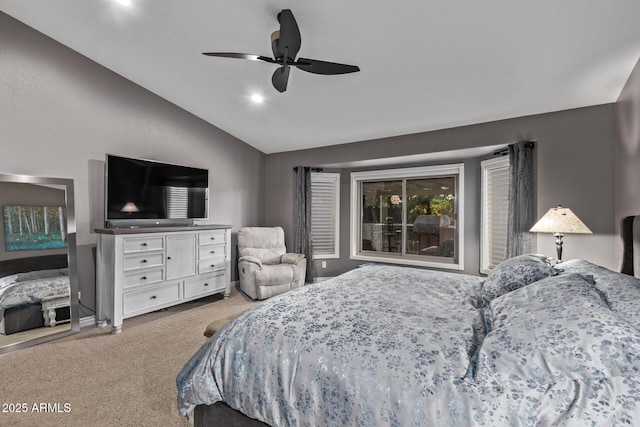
<point x="264" y="266"/>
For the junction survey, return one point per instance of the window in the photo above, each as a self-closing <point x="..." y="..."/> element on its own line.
<point x="409" y="216"/>
<point x="495" y="212"/>
<point x="325" y="214"/>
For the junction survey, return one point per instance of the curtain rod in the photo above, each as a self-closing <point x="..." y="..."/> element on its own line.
<point x="505" y="151"/>
<point x="312" y="169"/>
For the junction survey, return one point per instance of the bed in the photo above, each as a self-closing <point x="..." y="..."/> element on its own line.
<point x="34" y="292"/>
<point x="530" y="344"/>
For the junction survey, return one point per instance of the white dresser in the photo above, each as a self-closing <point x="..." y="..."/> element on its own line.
<point x="140" y="270"/>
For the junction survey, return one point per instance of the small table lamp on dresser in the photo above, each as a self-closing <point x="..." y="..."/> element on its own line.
<point x="559" y="221"/>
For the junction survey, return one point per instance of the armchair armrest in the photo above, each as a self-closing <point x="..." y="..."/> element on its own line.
<point x="291" y="258"/>
<point x="251" y="259"/>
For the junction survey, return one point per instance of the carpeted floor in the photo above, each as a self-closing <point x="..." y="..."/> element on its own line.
<point x="96" y="378"/>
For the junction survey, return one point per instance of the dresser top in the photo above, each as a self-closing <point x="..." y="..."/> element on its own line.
<point x="166" y="229"/>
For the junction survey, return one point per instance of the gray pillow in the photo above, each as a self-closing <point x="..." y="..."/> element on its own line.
<point x="514" y="273"/>
<point x="42" y="274"/>
<point x="557" y="329"/>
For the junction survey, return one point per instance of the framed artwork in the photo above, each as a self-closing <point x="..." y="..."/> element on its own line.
<point x="30" y="228"/>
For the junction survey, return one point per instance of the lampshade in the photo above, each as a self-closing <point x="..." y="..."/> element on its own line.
<point x="560" y="220"/>
<point x="130" y="207"/>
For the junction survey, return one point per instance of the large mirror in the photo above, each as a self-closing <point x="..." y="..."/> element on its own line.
<point x="38" y="268"/>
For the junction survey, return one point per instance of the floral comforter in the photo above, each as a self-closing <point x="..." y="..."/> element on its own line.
<point x="395" y="346"/>
<point x="32" y="291"/>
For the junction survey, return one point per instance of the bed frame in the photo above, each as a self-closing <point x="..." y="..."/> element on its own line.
<point x="17" y="319"/>
<point x="630" y="230"/>
<point x="220" y="414"/>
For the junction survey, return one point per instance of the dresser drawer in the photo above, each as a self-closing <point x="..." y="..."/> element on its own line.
<point x="133" y="262"/>
<point x="146" y="277"/>
<point x="212" y="237"/>
<point x="211" y="251"/>
<point x="144" y="301"/>
<point x="204" y="285"/>
<point x="138" y="244"/>
<point x="211" y="264"/>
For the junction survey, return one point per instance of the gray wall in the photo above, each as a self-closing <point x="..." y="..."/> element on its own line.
<point x="60" y="113"/>
<point x="627" y="154"/>
<point x="574" y="158"/>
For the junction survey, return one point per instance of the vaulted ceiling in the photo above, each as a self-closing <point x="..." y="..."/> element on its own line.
<point x="425" y="64"/>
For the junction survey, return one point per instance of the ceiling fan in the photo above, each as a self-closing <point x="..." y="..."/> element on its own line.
<point x="285" y="44"/>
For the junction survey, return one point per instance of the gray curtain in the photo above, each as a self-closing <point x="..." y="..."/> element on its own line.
<point x="302" y="219"/>
<point x="520" y="198"/>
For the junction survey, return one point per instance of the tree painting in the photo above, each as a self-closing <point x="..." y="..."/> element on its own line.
<point x="28" y="228"/>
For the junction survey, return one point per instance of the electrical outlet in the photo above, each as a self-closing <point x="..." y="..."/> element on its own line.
<point x="324" y="264"/>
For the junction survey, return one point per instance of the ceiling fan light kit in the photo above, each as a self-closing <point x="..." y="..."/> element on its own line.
<point x="285" y="44"/>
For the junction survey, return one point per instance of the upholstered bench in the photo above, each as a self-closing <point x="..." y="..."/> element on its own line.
<point x="49" y="305"/>
<point x="215" y="326"/>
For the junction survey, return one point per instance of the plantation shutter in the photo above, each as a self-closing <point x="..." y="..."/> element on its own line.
<point x="325" y="214"/>
<point x="495" y="211"/>
<point x="177" y="202"/>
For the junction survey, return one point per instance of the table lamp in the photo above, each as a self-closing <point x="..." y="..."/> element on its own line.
<point x="559" y="221"/>
<point x="130" y="208"/>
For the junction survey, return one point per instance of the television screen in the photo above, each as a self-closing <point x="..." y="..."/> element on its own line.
<point x="137" y="189"/>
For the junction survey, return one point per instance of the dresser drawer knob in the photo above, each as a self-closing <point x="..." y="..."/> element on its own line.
<point x="213" y="266"/>
<point x="143" y="261"/>
<point x="168" y="257"/>
<point x="213" y="238"/>
<point x="143" y="278"/>
<point x="206" y="284"/>
<point x="144" y="244"/>
<point x="153" y="297"/>
<point x="213" y="252"/>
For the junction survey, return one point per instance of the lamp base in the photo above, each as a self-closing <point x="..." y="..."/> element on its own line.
<point x="558" y="237"/>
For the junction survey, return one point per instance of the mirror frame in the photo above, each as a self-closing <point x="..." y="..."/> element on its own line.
<point x="71" y="256"/>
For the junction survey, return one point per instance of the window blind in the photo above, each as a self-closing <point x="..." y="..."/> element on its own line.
<point x="177" y="202"/>
<point x="325" y="214"/>
<point x="495" y="211"/>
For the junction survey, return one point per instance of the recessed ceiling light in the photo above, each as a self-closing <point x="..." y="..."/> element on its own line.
<point x="257" y="98"/>
<point x="124" y="2"/>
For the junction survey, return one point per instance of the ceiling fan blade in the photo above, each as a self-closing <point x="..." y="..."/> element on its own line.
<point x="280" y="78"/>
<point x="324" y="67"/>
<point x="288" y="37"/>
<point x="248" y="56"/>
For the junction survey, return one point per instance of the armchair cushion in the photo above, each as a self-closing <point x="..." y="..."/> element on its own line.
<point x="291" y="258"/>
<point x="264" y="243"/>
<point x="281" y="274"/>
<point x="266" y="256"/>
<point x="249" y="258"/>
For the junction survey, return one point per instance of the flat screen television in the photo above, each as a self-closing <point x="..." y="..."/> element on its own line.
<point x="146" y="193"/>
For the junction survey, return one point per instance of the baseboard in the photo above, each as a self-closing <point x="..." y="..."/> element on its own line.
<point x="321" y="279"/>
<point x="87" y="321"/>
